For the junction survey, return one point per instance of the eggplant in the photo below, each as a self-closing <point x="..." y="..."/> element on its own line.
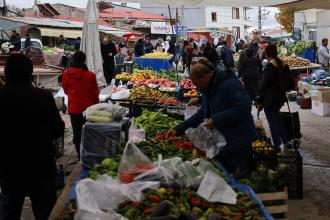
<point x="163" y="209"/>
<point x="213" y="216"/>
<point x="169" y="217"/>
<point x="186" y="216"/>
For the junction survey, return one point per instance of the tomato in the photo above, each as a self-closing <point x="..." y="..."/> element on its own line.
<point x="126" y="177"/>
<point x="147" y="211"/>
<point x="154" y="199"/>
<point x="195" y="201"/>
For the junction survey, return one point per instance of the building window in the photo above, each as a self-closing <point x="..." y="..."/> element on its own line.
<point x="245" y="13"/>
<point x="214" y="16"/>
<point x="237" y="32"/>
<point x="235" y="13"/>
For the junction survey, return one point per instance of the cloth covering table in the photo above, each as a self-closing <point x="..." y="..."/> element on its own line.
<point x="156" y="64"/>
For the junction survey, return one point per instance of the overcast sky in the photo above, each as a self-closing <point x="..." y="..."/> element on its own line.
<point x="253" y="14"/>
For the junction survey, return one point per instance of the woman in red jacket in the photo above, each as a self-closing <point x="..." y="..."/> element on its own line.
<point x="81" y="87"/>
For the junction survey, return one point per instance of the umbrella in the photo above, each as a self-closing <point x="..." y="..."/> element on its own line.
<point x="90" y="43"/>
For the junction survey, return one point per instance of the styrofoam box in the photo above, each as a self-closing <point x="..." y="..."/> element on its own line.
<point x="321" y="108"/>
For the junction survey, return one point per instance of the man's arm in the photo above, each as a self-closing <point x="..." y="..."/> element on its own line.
<point x="324" y="53"/>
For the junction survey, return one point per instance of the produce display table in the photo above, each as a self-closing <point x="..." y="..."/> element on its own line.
<point x="156" y="64"/>
<point x="308" y="68"/>
<point x="53" y="59"/>
<point x="72" y="195"/>
<point x="43" y="76"/>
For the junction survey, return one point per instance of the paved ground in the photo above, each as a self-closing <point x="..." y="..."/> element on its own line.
<point x="316" y="153"/>
<point x="316" y="159"/>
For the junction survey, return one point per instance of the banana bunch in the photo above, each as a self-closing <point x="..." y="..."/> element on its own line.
<point x="159" y="55"/>
<point x="124" y="76"/>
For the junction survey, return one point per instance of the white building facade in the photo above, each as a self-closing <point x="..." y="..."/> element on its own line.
<point x="235" y="19"/>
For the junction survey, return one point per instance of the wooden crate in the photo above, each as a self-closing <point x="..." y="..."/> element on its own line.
<point x="278" y="211"/>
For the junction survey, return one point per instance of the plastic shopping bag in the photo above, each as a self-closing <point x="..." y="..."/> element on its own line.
<point x="210" y="141"/>
<point x="122" y="94"/>
<point x="136" y="135"/>
<point x="190" y="111"/>
<point x="104" y="113"/>
<point x="133" y="163"/>
<point x="98" y="199"/>
<point x="215" y="189"/>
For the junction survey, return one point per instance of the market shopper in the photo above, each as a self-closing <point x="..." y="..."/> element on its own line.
<point x="81" y="87"/>
<point x="139" y="48"/>
<point x="61" y="40"/>
<point x="211" y="54"/>
<point x="226" y="106"/>
<point x="27" y="42"/>
<point x="254" y="46"/>
<point x="227" y="56"/>
<point x="29" y="124"/>
<point x="324" y="55"/>
<point x="148" y="46"/>
<point x="249" y="70"/>
<point x="108" y="51"/>
<point x="272" y="94"/>
<point x="15" y="40"/>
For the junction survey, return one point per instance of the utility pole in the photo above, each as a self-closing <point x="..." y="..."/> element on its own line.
<point x="4" y="12"/>
<point x="259" y="19"/>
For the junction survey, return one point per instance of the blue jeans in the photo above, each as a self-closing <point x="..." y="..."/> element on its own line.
<point x="42" y="194"/>
<point x="276" y="127"/>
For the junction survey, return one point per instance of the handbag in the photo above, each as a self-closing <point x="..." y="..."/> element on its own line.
<point x="291" y="123"/>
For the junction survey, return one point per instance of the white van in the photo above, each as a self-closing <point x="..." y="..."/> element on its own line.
<point x="34" y="43"/>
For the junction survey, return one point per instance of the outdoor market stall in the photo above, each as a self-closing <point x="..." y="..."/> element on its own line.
<point x="157" y="105"/>
<point x="158" y="61"/>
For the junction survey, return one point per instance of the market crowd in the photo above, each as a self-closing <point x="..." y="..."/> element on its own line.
<point x="30" y="121"/>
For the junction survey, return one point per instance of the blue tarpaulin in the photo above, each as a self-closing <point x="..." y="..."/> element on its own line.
<point x="308" y="54"/>
<point x="156" y="64"/>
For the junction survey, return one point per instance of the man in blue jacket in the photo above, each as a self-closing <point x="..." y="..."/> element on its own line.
<point x="226" y="106"/>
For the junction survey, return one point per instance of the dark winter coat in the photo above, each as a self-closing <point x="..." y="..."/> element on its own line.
<point x="16" y="41"/>
<point x="273" y="86"/>
<point x="227" y="57"/>
<point x="108" y="52"/>
<point x="249" y="70"/>
<point x="212" y="55"/>
<point x="229" y="105"/>
<point x="139" y="49"/>
<point x="29" y="123"/>
<point x="148" y="48"/>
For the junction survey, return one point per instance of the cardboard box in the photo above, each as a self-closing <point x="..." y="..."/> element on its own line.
<point x="321" y="95"/>
<point x="320" y="108"/>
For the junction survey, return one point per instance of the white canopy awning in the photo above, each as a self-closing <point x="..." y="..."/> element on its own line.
<point x="238" y="3"/>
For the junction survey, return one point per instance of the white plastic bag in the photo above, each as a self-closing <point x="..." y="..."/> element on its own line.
<point x="215" y="189"/>
<point x="160" y="174"/>
<point x="190" y="111"/>
<point x="105" y="112"/>
<point x="98" y="199"/>
<point x="136" y="135"/>
<point x="133" y="163"/>
<point x="122" y="94"/>
<point x="210" y="141"/>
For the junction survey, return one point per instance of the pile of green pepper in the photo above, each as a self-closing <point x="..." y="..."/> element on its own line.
<point x="169" y="203"/>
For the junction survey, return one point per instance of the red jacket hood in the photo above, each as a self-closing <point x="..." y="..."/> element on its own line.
<point x="76" y="73"/>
